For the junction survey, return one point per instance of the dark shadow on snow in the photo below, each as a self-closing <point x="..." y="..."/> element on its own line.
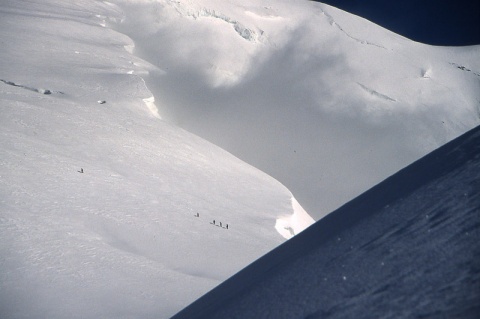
<point x="408" y="247"/>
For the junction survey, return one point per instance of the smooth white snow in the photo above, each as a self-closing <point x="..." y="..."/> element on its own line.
<point x="106" y="211"/>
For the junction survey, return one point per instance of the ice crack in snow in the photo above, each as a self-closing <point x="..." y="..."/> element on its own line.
<point x="246" y="33"/>
<point x="376" y="94"/>
<point x="339" y="27"/>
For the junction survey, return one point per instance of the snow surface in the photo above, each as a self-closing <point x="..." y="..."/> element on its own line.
<point x="107" y="211"/>
<point x="407" y="248"/>
<point x="326" y="102"/>
<point x="452" y="23"/>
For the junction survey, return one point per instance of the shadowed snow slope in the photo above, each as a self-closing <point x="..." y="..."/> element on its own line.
<point x="326" y="102"/>
<point x="107" y="211"/>
<point x="407" y="248"/>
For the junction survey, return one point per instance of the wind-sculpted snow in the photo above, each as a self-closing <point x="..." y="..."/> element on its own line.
<point x="291" y="225"/>
<point x="326" y="102"/>
<point x="407" y="248"/>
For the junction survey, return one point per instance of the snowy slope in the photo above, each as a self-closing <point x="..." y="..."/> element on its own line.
<point x="407" y="248"/>
<point x="452" y="23"/>
<point x="326" y="102"/>
<point x="99" y="187"/>
<point x="99" y="197"/>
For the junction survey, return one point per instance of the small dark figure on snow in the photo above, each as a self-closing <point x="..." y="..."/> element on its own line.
<point x="81" y="170"/>
<point x="197" y="215"/>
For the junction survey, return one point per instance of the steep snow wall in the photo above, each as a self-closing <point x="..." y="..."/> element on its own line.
<point x="326" y="102"/>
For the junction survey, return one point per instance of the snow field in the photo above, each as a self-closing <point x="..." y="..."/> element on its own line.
<point x="107" y="206"/>
<point x="98" y="196"/>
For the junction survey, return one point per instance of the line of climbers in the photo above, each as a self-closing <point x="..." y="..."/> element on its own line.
<point x="214" y="223"/>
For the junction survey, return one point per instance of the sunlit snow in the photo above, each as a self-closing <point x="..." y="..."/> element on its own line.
<point x="326" y="102"/>
<point x="126" y="127"/>
<point x="106" y="211"/>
